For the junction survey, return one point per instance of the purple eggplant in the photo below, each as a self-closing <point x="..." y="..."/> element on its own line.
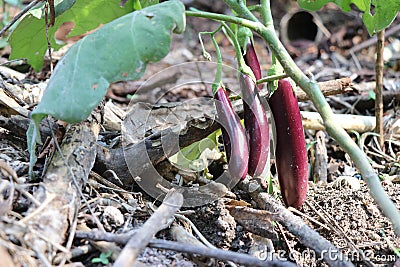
<point x="256" y="124"/>
<point x="235" y="141"/>
<point x="291" y="153"/>
<point x="252" y="61"/>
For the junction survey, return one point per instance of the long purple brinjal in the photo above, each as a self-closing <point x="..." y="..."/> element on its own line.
<point x="256" y="124"/>
<point x="291" y="153"/>
<point x="252" y="61"/>
<point x="235" y="141"/>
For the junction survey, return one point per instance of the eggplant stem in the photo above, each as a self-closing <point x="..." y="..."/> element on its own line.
<point x="272" y="78"/>
<point x="243" y="68"/>
<point x="218" y="74"/>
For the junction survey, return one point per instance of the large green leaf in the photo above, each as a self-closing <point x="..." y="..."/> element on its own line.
<point x="28" y="39"/>
<point x="384" y="11"/>
<point x="120" y="50"/>
<point x="384" y="14"/>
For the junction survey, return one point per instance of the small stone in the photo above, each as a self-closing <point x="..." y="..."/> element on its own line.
<point x="112" y="214"/>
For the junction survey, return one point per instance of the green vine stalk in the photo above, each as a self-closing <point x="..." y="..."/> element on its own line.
<point x="267" y="31"/>
<point x="218" y="74"/>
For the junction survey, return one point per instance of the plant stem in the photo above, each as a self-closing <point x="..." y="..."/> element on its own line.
<point x="266" y="13"/>
<point x="339" y="134"/>
<point x="272" y="78"/>
<point x="255" y="26"/>
<point x="218" y="74"/>
<point x="379" y="87"/>
<point x="242" y="67"/>
<point x="235" y="43"/>
<point x="256" y="8"/>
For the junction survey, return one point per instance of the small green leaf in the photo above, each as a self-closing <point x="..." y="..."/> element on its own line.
<point x="244" y="36"/>
<point x="106" y="255"/>
<point x="146" y="3"/>
<point x="310" y="145"/>
<point x="137" y="5"/>
<point x="32" y="140"/>
<point x="276" y="69"/>
<point x="357" y="134"/>
<point x="371" y="95"/>
<point x="384" y="12"/>
<point x="100" y="260"/>
<point x="103" y="258"/>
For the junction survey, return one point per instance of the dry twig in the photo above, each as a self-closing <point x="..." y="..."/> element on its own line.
<point x="158" y="221"/>
<point x="239" y="258"/>
<point x="19" y="15"/>
<point x="321" y="159"/>
<point x="219" y="254"/>
<point x="52" y="222"/>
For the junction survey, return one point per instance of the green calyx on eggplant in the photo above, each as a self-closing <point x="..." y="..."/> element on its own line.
<point x="291" y="152"/>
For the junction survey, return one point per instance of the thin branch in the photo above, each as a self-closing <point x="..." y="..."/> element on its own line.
<point x="265" y="12"/>
<point x="158" y="221"/>
<point x="328" y="88"/>
<point x="74" y="179"/>
<point x="49" y="7"/>
<point x="19" y="15"/>
<point x="218" y="254"/>
<point x="57" y="192"/>
<point x="239" y="258"/>
<point x="271" y="78"/>
<point x="379" y="87"/>
<point x="220" y="17"/>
